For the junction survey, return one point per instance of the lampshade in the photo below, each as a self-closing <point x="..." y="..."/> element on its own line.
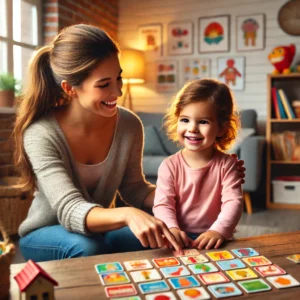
<point x="133" y="66"/>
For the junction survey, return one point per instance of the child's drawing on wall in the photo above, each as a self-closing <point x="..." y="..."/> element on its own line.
<point x="231" y="71"/>
<point x="196" y="69"/>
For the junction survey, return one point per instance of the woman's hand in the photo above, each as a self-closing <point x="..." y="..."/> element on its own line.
<point x="208" y="240"/>
<point x="149" y="230"/>
<point x="180" y="236"/>
<point x="240" y="168"/>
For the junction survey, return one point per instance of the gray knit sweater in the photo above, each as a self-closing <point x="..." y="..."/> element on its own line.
<point x="61" y="197"/>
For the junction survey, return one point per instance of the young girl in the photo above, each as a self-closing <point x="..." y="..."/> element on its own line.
<point x="198" y="193"/>
<point x="78" y="150"/>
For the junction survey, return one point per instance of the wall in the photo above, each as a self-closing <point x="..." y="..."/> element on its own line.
<point x="157" y="11"/>
<point x="62" y="13"/>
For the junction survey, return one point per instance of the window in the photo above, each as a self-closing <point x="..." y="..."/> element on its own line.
<point x="45" y="296"/>
<point x="20" y="34"/>
<point x="33" y="297"/>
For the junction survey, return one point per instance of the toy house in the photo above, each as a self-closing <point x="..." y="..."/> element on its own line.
<point x="35" y="283"/>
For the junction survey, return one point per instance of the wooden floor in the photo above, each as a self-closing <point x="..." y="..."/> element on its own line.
<point x="260" y="222"/>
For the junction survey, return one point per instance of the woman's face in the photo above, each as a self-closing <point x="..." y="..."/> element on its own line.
<point x="99" y="92"/>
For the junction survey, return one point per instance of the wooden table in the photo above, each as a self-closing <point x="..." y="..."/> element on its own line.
<point x="78" y="279"/>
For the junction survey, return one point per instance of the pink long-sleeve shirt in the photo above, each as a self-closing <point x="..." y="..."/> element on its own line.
<point x="197" y="200"/>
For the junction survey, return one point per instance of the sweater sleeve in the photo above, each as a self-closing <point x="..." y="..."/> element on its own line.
<point x="134" y="188"/>
<point x="164" y="200"/>
<point x="232" y="201"/>
<point x="54" y="181"/>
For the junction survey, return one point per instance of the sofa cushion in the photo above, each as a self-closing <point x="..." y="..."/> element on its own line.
<point x="153" y="145"/>
<point x="242" y="135"/>
<point x="151" y="164"/>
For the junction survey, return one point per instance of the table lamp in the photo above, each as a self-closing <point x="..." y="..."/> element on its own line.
<point x="133" y="66"/>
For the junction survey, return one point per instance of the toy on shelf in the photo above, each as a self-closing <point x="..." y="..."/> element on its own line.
<point x="281" y="58"/>
<point x="34" y="281"/>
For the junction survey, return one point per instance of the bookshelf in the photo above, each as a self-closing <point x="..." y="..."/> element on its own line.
<point x="290" y="83"/>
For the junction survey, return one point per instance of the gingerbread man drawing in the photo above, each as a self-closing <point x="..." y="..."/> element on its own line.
<point x="230" y="73"/>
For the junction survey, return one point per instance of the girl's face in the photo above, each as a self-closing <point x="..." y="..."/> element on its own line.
<point x="198" y="127"/>
<point x="99" y="92"/>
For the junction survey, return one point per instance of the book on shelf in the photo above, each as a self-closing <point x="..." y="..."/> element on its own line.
<point x="286" y="104"/>
<point x="277" y="105"/>
<point x="286" y="145"/>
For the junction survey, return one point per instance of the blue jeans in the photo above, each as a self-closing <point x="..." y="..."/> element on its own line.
<point x="55" y="242"/>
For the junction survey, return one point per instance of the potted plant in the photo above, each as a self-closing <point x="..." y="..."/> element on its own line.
<point x="7" y="90"/>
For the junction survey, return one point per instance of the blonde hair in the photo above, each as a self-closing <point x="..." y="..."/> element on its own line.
<point x="211" y="91"/>
<point x="75" y="53"/>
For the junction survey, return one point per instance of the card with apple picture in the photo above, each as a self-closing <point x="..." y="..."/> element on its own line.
<point x="254" y="285"/>
<point x="163" y="296"/>
<point x="224" y="290"/>
<point x="220" y="255"/>
<point x="257" y="261"/>
<point x="145" y="275"/>
<point x="175" y="271"/>
<point x="193" y="259"/>
<point x="196" y="293"/>
<point x="241" y="274"/>
<point x="270" y="270"/>
<point x="213" y="278"/>
<point x="203" y="268"/>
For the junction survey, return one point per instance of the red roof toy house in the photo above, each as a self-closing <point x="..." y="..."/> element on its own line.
<point x="35" y="283"/>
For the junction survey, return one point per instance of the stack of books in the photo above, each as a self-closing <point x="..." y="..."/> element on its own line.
<point x="286" y="145"/>
<point x="282" y="106"/>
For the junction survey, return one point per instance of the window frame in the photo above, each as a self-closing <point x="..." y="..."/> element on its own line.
<point x="10" y="42"/>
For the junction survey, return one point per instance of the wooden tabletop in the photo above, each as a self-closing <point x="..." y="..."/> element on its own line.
<point x="78" y="279"/>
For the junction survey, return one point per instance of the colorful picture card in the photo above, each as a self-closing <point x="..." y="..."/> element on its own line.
<point x="245" y="252"/>
<point x="187" y="252"/>
<point x="194" y="259"/>
<point x="254" y="285"/>
<point x="108" y="267"/>
<point x="145" y="275"/>
<point x="124" y="290"/>
<point x="295" y="258"/>
<point x="219" y="255"/>
<point x="241" y="274"/>
<point x="257" y="261"/>
<point x="175" y="271"/>
<point x="283" y="281"/>
<point x="153" y="287"/>
<point x="270" y="270"/>
<point x="224" y="290"/>
<point x="213" y="278"/>
<point x="193" y="294"/>
<point x="203" y="268"/>
<point x="230" y="264"/>
<point x="114" y="278"/>
<point x="166" y="262"/>
<point x="135" y="265"/>
<point x="157" y="296"/>
<point x="183" y="282"/>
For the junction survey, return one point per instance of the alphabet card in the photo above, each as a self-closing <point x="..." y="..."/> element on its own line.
<point x="219" y="255"/>
<point x="241" y="274"/>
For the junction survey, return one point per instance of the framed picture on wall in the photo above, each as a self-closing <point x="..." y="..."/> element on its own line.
<point x="180" y="38"/>
<point x="214" y="34"/>
<point x="231" y="70"/>
<point x="166" y="76"/>
<point x="196" y="69"/>
<point x="150" y="39"/>
<point x="250" y="32"/>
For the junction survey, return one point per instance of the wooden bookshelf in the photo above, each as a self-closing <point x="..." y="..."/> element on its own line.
<point x="290" y="83"/>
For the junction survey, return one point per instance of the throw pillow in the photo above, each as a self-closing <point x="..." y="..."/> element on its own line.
<point x="242" y="135"/>
<point x="152" y="144"/>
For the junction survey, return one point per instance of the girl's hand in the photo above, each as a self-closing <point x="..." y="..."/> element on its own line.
<point x="208" y="240"/>
<point x="149" y="230"/>
<point x="180" y="236"/>
<point x="240" y="168"/>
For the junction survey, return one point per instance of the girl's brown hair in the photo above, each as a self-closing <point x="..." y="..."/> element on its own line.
<point x="211" y="91"/>
<point x="74" y="54"/>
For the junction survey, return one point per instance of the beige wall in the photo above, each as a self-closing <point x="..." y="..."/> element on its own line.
<point x="133" y="13"/>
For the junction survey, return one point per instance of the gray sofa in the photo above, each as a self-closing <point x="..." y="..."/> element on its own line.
<point x="249" y="147"/>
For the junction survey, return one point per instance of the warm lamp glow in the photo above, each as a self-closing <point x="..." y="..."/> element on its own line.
<point x="133" y="66"/>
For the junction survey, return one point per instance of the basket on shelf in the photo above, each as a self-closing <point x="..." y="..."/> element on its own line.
<point x="14" y="204"/>
<point x="7" y="252"/>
